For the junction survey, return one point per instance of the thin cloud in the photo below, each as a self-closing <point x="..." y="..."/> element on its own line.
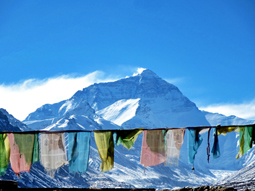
<point x="174" y="80"/>
<point x="23" y="98"/>
<point x="244" y="110"/>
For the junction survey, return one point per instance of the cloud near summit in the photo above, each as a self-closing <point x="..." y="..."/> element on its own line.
<point x="244" y="110"/>
<point x="20" y="99"/>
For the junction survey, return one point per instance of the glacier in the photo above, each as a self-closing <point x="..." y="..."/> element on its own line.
<point x="141" y="101"/>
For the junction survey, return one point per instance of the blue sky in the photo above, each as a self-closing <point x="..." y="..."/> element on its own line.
<point x="206" y="48"/>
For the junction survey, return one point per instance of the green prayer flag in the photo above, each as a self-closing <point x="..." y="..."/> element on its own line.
<point x="245" y="140"/>
<point x="25" y="143"/>
<point x="36" y="153"/>
<point x="4" y="153"/>
<point x="127" y="137"/>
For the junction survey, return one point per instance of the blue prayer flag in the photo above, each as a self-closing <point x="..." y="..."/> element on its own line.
<point x="78" y="151"/>
<point x="216" y="146"/>
<point x="194" y="141"/>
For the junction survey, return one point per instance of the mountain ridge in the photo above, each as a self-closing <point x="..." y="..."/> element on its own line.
<point x="9" y="123"/>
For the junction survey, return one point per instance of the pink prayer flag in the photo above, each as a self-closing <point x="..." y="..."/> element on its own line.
<point x="21" y="146"/>
<point x="153" y="148"/>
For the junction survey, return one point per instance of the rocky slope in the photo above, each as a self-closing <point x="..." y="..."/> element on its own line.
<point x="9" y="123"/>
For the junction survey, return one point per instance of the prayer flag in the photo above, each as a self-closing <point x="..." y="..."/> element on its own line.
<point x="52" y="151"/>
<point x="105" y="147"/>
<point x="245" y="140"/>
<point x="194" y="141"/>
<point x="174" y="140"/>
<point x="4" y="153"/>
<point x="21" y="146"/>
<point x="127" y="137"/>
<point x="78" y="151"/>
<point x="153" y="148"/>
<point x="36" y="152"/>
<point x="225" y="130"/>
<point x="216" y="147"/>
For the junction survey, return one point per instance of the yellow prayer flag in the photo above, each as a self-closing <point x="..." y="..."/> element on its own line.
<point x="105" y="147"/>
<point x="225" y="130"/>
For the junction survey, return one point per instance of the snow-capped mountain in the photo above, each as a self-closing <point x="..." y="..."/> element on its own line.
<point x="143" y="100"/>
<point x="218" y="119"/>
<point x="9" y="123"/>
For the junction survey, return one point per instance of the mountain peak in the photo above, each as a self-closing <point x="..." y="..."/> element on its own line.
<point x="145" y="72"/>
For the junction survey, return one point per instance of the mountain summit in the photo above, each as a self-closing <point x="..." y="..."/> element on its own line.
<point x="147" y="72"/>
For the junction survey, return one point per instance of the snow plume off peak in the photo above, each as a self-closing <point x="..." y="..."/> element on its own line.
<point x="144" y="72"/>
<point x="120" y="111"/>
<point x="139" y="71"/>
